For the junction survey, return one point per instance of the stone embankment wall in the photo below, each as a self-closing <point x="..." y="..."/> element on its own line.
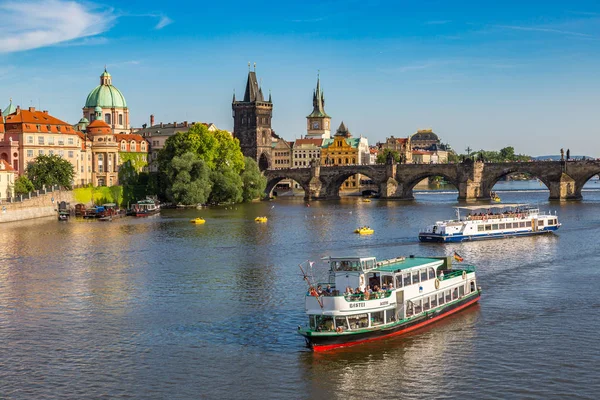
<point x="44" y="205"/>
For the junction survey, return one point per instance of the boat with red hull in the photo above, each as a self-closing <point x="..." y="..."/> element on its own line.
<point x="392" y="297"/>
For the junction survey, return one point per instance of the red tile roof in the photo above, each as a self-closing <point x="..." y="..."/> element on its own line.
<point x="30" y="120"/>
<point x="7" y="166"/>
<point x="314" y="142"/>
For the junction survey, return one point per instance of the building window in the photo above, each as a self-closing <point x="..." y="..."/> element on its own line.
<point x="61" y="141"/>
<point x="107" y="118"/>
<point x="143" y="146"/>
<point x="82" y="169"/>
<point x="120" y="119"/>
<point x="29" y="153"/>
<point x="51" y="152"/>
<point x="29" y="139"/>
<point x="132" y="146"/>
<point x="51" y="140"/>
<point x="70" y="140"/>
<point x="41" y="152"/>
<point x="123" y="146"/>
<point x="40" y="140"/>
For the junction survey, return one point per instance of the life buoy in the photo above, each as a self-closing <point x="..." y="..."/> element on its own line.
<point x="437" y="283"/>
<point x="464" y="275"/>
<point x="338" y="329"/>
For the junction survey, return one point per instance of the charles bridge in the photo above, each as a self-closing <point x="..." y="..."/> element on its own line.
<point x="474" y="180"/>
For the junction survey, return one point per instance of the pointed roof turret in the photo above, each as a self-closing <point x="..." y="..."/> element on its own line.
<point x="10" y="109"/>
<point x="253" y="91"/>
<point x="233" y="101"/>
<point x="343" y="131"/>
<point x="318" y="102"/>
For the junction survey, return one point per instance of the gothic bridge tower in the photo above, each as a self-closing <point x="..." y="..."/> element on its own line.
<point x="317" y="122"/>
<point x="252" y="122"/>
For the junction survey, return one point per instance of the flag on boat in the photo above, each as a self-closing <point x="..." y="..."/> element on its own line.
<point x="311" y="263"/>
<point x="457" y="257"/>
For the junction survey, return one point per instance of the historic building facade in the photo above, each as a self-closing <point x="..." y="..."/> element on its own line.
<point x="305" y="150"/>
<point x="342" y="149"/>
<point x="26" y="134"/>
<point x="400" y="145"/>
<point x="252" y="123"/>
<point x="112" y="103"/>
<point x="7" y="180"/>
<point x="426" y="147"/>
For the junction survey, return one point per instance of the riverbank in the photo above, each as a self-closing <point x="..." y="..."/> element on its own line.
<point x="38" y="206"/>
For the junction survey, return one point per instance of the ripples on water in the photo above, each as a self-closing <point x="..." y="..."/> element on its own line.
<point x="161" y="308"/>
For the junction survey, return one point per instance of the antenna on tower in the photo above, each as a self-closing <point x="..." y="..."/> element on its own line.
<point x="248" y="66"/>
<point x="254" y="67"/>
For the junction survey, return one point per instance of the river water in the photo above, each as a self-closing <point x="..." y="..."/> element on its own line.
<point x="159" y="308"/>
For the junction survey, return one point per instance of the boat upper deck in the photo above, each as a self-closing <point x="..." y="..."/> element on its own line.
<point x="347" y="264"/>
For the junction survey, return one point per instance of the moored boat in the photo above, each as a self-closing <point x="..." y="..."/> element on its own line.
<point x="491" y="222"/>
<point x="261" y="219"/>
<point x="392" y="297"/>
<point x="145" y="208"/>
<point x="198" y="221"/>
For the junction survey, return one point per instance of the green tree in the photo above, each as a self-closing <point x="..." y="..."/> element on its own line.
<point x="189" y="178"/>
<point x="227" y="186"/>
<point x="50" y="170"/>
<point x="507" y="153"/>
<point x="228" y="152"/>
<point x="23" y="185"/>
<point x="382" y="156"/>
<point x="254" y="182"/>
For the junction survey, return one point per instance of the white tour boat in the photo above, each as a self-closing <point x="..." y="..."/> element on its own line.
<point x="406" y="294"/>
<point x="491" y="222"/>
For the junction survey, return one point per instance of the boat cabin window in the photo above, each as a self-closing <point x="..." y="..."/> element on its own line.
<point x="541" y="222"/>
<point x="448" y="296"/>
<point x="418" y="306"/>
<point x="431" y="273"/>
<point x="390" y="315"/>
<point x="377" y="318"/>
<point x="410" y="309"/>
<point x="472" y="286"/>
<point x="368" y="264"/>
<point x="406" y="278"/>
<point x="455" y="294"/>
<point x="494" y="227"/>
<point x="340" y="322"/>
<point x="461" y="291"/>
<point x="358" y="321"/>
<point x="324" y="323"/>
<point x="398" y="281"/>
<point x="501" y="226"/>
<point x="373" y="279"/>
<point x="434" y="301"/>
<point x="423" y="273"/>
<point x="346" y="265"/>
<point x="426" y="304"/>
<point x="480" y="228"/>
<point x="522" y="224"/>
<point x="488" y="227"/>
<point x="441" y="298"/>
<point x="387" y="279"/>
<point x="415" y="277"/>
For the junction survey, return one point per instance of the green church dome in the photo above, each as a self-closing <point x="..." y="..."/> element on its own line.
<point x="106" y="96"/>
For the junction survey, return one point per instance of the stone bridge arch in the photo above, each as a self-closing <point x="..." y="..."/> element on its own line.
<point x="582" y="173"/>
<point x="333" y="178"/>
<point x="276" y="176"/>
<point x="410" y="176"/>
<point x="550" y="174"/>
<point x="494" y="177"/>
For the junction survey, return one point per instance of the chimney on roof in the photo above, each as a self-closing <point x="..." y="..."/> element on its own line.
<point x="175" y="124"/>
<point x="45" y="112"/>
<point x="31" y="109"/>
<point x="151" y="119"/>
<point x="185" y="124"/>
<point x="18" y="109"/>
<point x="161" y="124"/>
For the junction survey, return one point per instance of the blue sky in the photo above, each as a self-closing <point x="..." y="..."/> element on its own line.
<point x="525" y="74"/>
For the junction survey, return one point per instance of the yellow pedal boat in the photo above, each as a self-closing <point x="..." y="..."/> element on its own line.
<point x="366" y="200"/>
<point x="260" y="219"/>
<point x="364" y="230"/>
<point x="197" y="220"/>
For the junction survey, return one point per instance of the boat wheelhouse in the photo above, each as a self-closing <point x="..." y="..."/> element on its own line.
<point x="392" y="297"/>
<point x="491" y="222"/>
<point x="144" y="208"/>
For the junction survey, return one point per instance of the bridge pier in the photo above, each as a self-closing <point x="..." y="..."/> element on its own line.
<point x="564" y="189"/>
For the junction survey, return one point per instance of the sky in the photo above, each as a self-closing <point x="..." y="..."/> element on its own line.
<point x="515" y="73"/>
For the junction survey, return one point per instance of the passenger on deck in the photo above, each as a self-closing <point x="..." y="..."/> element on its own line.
<point x="368" y="289"/>
<point x="441" y="275"/>
<point x="348" y="290"/>
<point x="328" y="290"/>
<point x="391" y="286"/>
<point x="358" y="290"/>
<point x="319" y="290"/>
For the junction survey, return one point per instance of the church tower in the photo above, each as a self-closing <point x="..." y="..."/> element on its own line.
<point x="317" y="123"/>
<point x="252" y="122"/>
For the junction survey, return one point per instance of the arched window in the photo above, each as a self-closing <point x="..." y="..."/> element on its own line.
<point x="107" y="118"/>
<point x="143" y="145"/>
<point x="123" y="145"/>
<point x="120" y="119"/>
<point x="132" y="146"/>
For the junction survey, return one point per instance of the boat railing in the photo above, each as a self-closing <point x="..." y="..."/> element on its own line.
<point x="458" y="271"/>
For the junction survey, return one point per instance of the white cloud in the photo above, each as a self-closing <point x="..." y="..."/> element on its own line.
<point x="542" y="29"/>
<point x="164" y="21"/>
<point x="31" y="24"/>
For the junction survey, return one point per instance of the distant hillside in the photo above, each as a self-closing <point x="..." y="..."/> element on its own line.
<point x="557" y="158"/>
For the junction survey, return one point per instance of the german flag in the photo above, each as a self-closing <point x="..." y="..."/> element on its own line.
<point x="457" y="257"/>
